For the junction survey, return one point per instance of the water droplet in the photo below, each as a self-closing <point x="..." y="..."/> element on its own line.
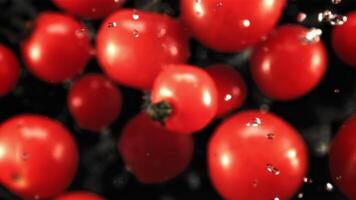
<point x="246" y="23"/>
<point x="276" y="198"/>
<point x="308" y="180"/>
<point x="228" y="97"/>
<point x="255" y="122"/>
<point x="300" y="195"/>
<point x="219" y="4"/>
<point x="135" y="15"/>
<point x="338" y="178"/>
<point x="112" y="24"/>
<point x="162" y="32"/>
<point x="135" y="33"/>
<point x="329" y="187"/>
<point x="331" y="18"/>
<point x="312" y="36"/>
<point x="301" y="17"/>
<point x="272" y="169"/>
<point x="337" y="91"/>
<point x="81" y="33"/>
<point x="270" y="136"/>
<point x="24" y="156"/>
<point x="335" y="1"/>
<point x="255" y="183"/>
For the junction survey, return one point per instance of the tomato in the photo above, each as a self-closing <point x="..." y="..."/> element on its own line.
<point x="38" y="156"/>
<point x="92" y="9"/>
<point x="134" y="46"/>
<point x="344" y="41"/>
<point x="79" y="196"/>
<point x="342" y="160"/>
<point x="231" y="25"/>
<point x="153" y="153"/>
<point x="231" y="88"/>
<point x="257" y="155"/>
<point x="94" y="102"/>
<point x="9" y="70"/>
<point x="57" y="49"/>
<point x="285" y="66"/>
<point x="191" y="95"/>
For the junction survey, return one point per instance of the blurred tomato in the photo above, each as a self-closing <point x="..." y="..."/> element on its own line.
<point x="94" y="101"/>
<point x="191" y="93"/>
<point x="9" y="70"/>
<point x="287" y="66"/>
<point x="231" y="25"/>
<point x="58" y="48"/>
<point x="134" y="46"/>
<point x="344" y="40"/>
<point x="92" y="9"/>
<point x="38" y="156"/>
<point x="342" y="160"/>
<point x="231" y="88"/>
<point x="255" y="155"/>
<point x="79" y="196"/>
<point x="153" y="153"/>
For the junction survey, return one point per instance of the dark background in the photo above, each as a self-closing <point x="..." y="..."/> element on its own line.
<point x="317" y="116"/>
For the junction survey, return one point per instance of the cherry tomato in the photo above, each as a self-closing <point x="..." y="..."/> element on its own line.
<point x="92" y="9"/>
<point x="9" y="70"/>
<point x="192" y="95"/>
<point x="94" y="102"/>
<point x="231" y="25"/>
<point x="79" y="196"/>
<point x="256" y="155"/>
<point x="231" y="88"/>
<point x="286" y="66"/>
<point x="344" y="40"/>
<point x="38" y="156"/>
<point x="153" y="153"/>
<point x="342" y="160"/>
<point x="134" y="46"/>
<point x="57" y="49"/>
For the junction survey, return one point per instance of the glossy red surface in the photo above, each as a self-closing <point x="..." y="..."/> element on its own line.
<point x="255" y="155"/>
<point x="38" y="156"/>
<point x="79" y="196"/>
<point x="133" y="46"/>
<point x="9" y="70"/>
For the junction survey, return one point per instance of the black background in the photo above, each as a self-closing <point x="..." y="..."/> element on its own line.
<point x="317" y="116"/>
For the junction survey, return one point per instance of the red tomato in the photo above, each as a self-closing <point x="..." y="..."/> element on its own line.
<point x="92" y="9"/>
<point x="191" y="93"/>
<point x="9" y="70"/>
<point x="231" y="88"/>
<point x="344" y="40"/>
<point x="285" y="66"/>
<point x="231" y="25"/>
<point x="79" y="196"/>
<point x="256" y="155"/>
<point x="94" y="102"/>
<point x="134" y="46"/>
<point x="38" y="156"/>
<point x="153" y="153"/>
<point x="342" y="160"/>
<point x="57" y="49"/>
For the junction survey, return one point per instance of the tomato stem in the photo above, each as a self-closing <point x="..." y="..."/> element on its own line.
<point x="159" y="111"/>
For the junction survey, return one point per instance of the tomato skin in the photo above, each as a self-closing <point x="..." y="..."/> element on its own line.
<point x="238" y="155"/>
<point x="285" y="67"/>
<point x="192" y="94"/>
<point x="139" y="46"/>
<point x="9" y="70"/>
<point x="79" y="196"/>
<point x="57" y="49"/>
<point x="153" y="153"/>
<point x="33" y="150"/>
<point x="231" y="25"/>
<point x="344" y="41"/>
<point x="231" y="88"/>
<point x="92" y="9"/>
<point x="342" y="156"/>
<point x="94" y="102"/>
